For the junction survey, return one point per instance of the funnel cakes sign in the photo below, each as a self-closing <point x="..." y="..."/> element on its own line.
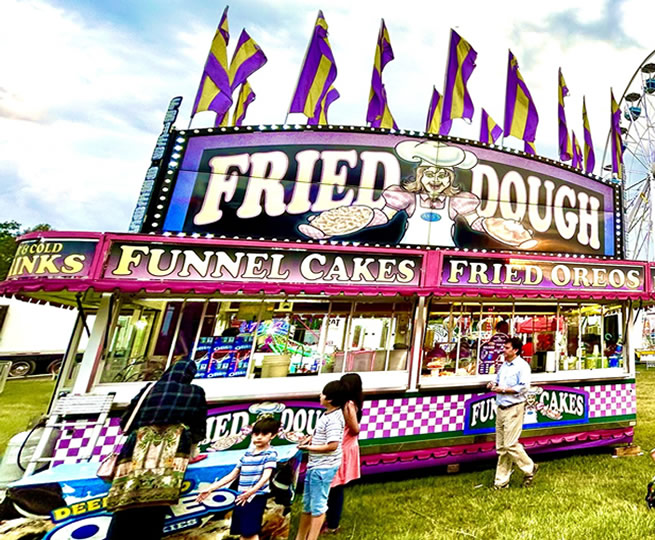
<point x="544" y="406"/>
<point x="385" y="189"/>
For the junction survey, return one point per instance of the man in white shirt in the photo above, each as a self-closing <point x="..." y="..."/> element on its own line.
<point x="512" y="380"/>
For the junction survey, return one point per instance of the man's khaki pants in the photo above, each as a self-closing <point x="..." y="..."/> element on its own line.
<point x="509" y="423"/>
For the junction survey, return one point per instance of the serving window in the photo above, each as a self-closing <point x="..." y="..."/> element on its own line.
<point x="466" y="339"/>
<point x="130" y="353"/>
<point x="258" y="338"/>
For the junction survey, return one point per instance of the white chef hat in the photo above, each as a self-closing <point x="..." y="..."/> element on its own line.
<point x="436" y="153"/>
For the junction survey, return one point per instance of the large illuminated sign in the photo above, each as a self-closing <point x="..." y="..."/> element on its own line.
<point x="383" y="189"/>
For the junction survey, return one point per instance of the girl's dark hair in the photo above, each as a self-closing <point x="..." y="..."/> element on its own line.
<point x="352" y="384"/>
<point x="335" y="393"/>
<point x="266" y="425"/>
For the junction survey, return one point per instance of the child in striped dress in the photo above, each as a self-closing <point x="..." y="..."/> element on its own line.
<point x="350" y="461"/>
<point x="254" y="472"/>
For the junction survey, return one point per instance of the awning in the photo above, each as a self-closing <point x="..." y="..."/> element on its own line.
<point x="542" y="323"/>
<point x="59" y="263"/>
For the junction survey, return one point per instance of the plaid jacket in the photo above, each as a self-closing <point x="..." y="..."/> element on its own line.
<point x="172" y="400"/>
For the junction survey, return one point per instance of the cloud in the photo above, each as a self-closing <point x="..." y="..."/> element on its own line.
<point x="86" y="85"/>
<point x="13" y="107"/>
<point x="80" y="109"/>
<point x="573" y="25"/>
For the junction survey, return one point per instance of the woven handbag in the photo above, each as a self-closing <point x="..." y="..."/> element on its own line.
<point x="108" y="465"/>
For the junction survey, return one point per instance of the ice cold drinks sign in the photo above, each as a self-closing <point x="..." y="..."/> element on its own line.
<point x="384" y="189"/>
<point x="50" y="257"/>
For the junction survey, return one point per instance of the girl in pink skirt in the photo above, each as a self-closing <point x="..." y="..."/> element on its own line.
<point x="349" y="469"/>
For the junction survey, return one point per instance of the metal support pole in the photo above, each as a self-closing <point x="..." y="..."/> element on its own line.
<point x="94" y="349"/>
<point x="416" y="353"/>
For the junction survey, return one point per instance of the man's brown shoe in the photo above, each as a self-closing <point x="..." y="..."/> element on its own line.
<point x="527" y="480"/>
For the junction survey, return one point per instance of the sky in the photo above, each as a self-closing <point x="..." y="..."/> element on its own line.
<point x="84" y="84"/>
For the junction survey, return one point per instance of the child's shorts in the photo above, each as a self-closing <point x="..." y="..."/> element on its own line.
<point x="247" y="519"/>
<point x="317" y="490"/>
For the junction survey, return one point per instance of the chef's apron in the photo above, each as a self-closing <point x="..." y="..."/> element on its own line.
<point x="429" y="226"/>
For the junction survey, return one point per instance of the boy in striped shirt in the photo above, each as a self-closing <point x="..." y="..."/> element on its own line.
<point x="324" y="447"/>
<point x="254" y="472"/>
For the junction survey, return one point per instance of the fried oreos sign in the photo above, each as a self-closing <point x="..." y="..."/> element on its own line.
<point x="500" y="273"/>
<point x="384" y="189"/>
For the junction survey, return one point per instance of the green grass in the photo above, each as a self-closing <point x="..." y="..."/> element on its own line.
<point x="21" y="401"/>
<point x="586" y="495"/>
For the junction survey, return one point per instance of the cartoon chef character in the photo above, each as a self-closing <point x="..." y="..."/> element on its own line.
<point x="431" y="200"/>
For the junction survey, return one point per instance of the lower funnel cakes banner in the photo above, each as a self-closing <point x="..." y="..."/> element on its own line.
<point x="546" y="406"/>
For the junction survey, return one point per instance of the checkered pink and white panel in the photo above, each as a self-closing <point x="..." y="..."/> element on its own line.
<point x="399" y="417"/>
<point x="611" y="400"/>
<point x="76" y="436"/>
<point x="403" y="417"/>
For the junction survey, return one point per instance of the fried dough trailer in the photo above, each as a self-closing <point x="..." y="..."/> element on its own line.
<point x="270" y="323"/>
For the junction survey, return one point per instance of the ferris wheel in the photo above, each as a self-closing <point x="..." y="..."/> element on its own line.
<point x="638" y="132"/>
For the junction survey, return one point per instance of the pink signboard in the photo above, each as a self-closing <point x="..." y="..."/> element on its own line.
<point x="211" y="262"/>
<point x="53" y="257"/>
<point x="540" y="274"/>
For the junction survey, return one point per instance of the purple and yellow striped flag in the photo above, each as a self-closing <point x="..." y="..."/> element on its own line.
<point x="521" y="117"/>
<point x="318" y="72"/>
<point x="433" y="121"/>
<point x="378" y="113"/>
<point x="321" y="114"/>
<point x="457" y="102"/>
<point x="577" y="153"/>
<point x="248" y="57"/>
<point x="615" y="136"/>
<point x="246" y="97"/>
<point x="565" y="148"/>
<point x="214" y="92"/>
<point x="489" y="130"/>
<point x="589" y="156"/>
<point x="529" y="148"/>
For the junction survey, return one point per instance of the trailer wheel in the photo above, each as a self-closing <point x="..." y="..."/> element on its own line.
<point x="22" y="368"/>
<point x="54" y="367"/>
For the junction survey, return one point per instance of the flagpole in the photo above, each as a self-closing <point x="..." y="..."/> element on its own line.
<point x="203" y="67"/>
<point x="584" y="135"/>
<point x="502" y="140"/>
<point x="218" y="29"/>
<point x="293" y="94"/>
<point x="374" y="55"/>
<point x="443" y="87"/>
<point x="559" y="149"/>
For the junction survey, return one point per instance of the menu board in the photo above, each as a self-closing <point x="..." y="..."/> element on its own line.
<point x="491" y="354"/>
